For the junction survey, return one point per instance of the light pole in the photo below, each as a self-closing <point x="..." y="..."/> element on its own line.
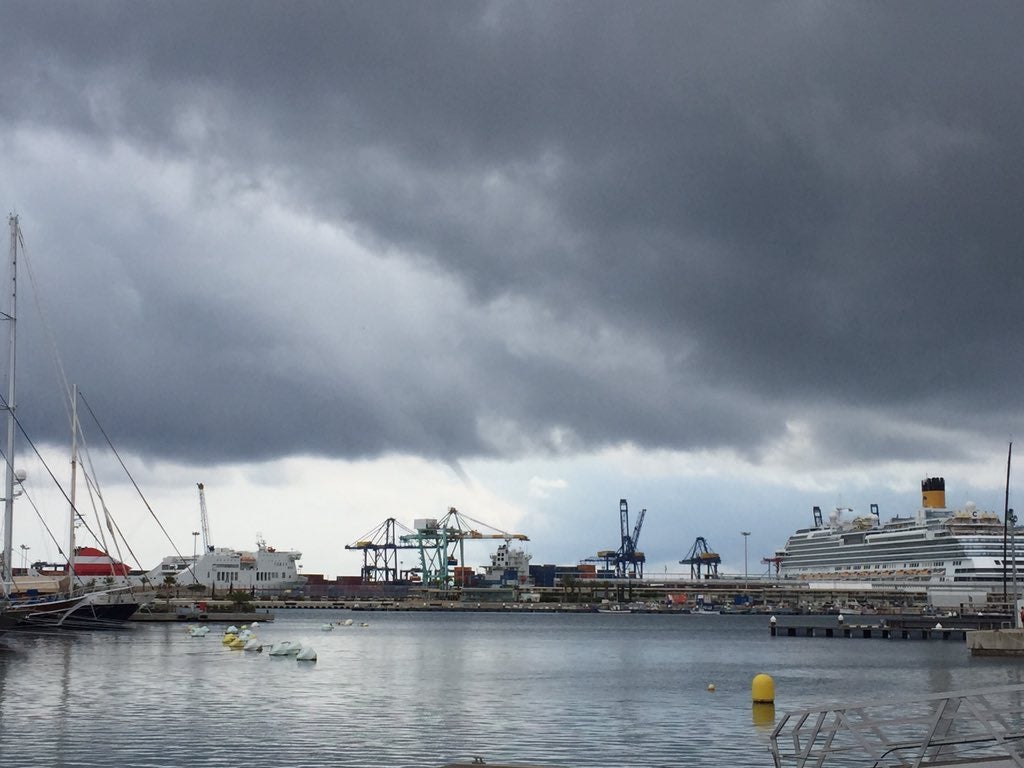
<point x="745" y="534"/>
<point x="195" y="542"/>
<point x="24" y="556"/>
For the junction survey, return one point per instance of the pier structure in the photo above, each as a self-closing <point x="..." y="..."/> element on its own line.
<point x="895" y="630"/>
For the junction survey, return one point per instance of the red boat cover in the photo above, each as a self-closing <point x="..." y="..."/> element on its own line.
<point x="90" y="561"/>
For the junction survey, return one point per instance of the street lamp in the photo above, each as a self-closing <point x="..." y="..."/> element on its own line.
<point x="195" y="542"/>
<point x="745" y="534"/>
<point x="24" y="556"/>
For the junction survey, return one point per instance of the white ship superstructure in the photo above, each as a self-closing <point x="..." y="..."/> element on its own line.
<point x="936" y="546"/>
<point x="264" y="570"/>
<point x="508" y="566"/>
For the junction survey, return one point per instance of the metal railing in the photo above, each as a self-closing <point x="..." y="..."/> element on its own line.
<point x="977" y="728"/>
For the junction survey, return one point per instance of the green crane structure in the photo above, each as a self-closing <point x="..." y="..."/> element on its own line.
<point x="441" y="544"/>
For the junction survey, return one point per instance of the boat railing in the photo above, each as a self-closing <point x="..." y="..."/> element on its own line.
<point x="982" y="728"/>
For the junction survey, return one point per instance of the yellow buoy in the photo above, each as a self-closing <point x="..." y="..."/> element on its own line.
<point x="762" y="689"/>
<point x="711" y="687"/>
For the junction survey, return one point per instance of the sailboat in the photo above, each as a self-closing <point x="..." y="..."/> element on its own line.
<point x="24" y="603"/>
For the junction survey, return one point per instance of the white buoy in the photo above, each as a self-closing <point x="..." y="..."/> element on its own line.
<point x="347" y="623"/>
<point x="326" y="627"/>
<point x="306" y="654"/>
<point x="253" y="644"/>
<point x="232" y="630"/>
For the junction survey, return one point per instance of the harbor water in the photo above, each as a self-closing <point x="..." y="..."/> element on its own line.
<point x="425" y="689"/>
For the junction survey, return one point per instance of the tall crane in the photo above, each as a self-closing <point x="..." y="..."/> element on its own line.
<point x="204" y="519"/>
<point x="380" y="552"/>
<point x="441" y="543"/>
<point x="629" y="563"/>
<point x="700" y="556"/>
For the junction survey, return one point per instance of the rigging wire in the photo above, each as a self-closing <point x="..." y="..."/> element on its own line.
<point x="127" y="472"/>
<point x="56" y="482"/>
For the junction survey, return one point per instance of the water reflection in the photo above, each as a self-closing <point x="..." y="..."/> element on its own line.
<point x="763" y="715"/>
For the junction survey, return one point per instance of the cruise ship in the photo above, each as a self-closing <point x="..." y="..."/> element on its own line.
<point x="263" y="571"/>
<point x="935" y="547"/>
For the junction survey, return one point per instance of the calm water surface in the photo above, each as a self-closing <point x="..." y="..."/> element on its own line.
<point x="421" y="690"/>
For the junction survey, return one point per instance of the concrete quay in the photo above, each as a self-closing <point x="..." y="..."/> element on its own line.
<point x="996" y="642"/>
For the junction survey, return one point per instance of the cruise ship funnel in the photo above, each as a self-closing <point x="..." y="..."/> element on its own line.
<point x="933" y="493"/>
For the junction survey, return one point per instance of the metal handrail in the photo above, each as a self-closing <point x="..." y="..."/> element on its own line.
<point x="978" y="727"/>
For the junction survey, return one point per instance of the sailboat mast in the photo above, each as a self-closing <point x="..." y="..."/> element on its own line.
<point x="9" y="487"/>
<point x="1006" y="516"/>
<point x="74" y="477"/>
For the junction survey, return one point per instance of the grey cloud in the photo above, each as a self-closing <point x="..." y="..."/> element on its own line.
<point x="817" y="202"/>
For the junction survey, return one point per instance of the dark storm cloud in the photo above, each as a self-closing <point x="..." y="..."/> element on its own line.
<point x="790" y="208"/>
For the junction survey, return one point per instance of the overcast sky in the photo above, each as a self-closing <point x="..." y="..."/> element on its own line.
<point x="350" y="261"/>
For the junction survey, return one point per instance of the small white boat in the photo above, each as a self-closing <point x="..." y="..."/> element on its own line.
<point x="708" y="610"/>
<point x="281" y="648"/>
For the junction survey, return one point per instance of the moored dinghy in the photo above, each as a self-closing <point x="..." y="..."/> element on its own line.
<point x="281" y="648"/>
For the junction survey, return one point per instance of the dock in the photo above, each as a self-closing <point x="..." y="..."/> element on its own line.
<point x="870" y="631"/>
<point x="996" y="642"/>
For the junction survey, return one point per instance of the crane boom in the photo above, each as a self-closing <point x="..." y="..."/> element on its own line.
<point x="204" y="520"/>
<point x="637" y="527"/>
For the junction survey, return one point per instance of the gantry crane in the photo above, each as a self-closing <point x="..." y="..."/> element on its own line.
<point x="700" y="556"/>
<point x="439" y="540"/>
<point x="204" y="520"/>
<point x="770" y="561"/>
<point x="629" y="563"/>
<point x="380" y="552"/>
